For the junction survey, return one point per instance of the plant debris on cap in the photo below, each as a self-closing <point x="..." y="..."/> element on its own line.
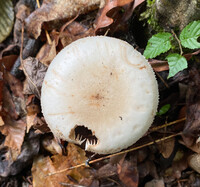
<point x="100" y="92"/>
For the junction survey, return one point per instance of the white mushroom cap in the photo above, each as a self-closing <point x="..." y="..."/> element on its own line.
<point x="101" y="91"/>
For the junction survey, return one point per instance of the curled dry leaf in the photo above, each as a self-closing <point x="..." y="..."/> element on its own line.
<point x="42" y="166"/>
<point x="103" y="20"/>
<point x="35" y="72"/>
<point x="47" y="53"/>
<point x="56" y="10"/>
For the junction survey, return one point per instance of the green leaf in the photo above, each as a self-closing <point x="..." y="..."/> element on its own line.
<point x="6" y="18"/>
<point x="190" y="34"/>
<point x="176" y="63"/>
<point x="157" y="44"/>
<point x="164" y="109"/>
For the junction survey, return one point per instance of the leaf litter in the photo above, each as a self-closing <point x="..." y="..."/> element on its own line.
<point x="166" y="156"/>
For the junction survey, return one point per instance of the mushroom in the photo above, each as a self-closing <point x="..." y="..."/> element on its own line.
<point x="99" y="92"/>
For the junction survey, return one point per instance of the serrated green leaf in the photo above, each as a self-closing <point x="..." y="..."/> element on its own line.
<point x="6" y="18"/>
<point x="190" y="34"/>
<point x="157" y="44"/>
<point x="176" y="63"/>
<point x="164" y="109"/>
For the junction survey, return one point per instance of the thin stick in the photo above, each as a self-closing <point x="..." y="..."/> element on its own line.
<point x="179" y="43"/>
<point x="167" y="124"/>
<point x="46" y="32"/>
<point x="38" y="3"/>
<point x="115" y="154"/>
<point x="162" y="79"/>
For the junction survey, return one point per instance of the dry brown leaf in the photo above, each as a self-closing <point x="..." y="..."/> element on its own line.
<point x="8" y="61"/>
<point x="179" y="163"/>
<point x="30" y="121"/>
<point x="13" y="98"/>
<point x="45" y="165"/>
<point x="194" y="162"/>
<point x="103" y="20"/>
<point x="155" y="183"/>
<point x="188" y="56"/>
<point x="15" y="85"/>
<point x="55" y="35"/>
<point x="8" y="104"/>
<point x="190" y="143"/>
<point x="69" y="32"/>
<point x="56" y="10"/>
<point x="51" y="145"/>
<point x="147" y="168"/>
<point x="32" y="111"/>
<point x="14" y="130"/>
<point x="137" y="2"/>
<point x="41" y="126"/>
<point x="128" y="173"/>
<point x="106" y="171"/>
<point x="192" y="124"/>
<point x="1" y="121"/>
<point x="8" y="50"/>
<point x="47" y="53"/>
<point x="35" y="72"/>
<point x="1" y="90"/>
<point x="13" y="108"/>
<point x="12" y="163"/>
<point x="22" y="12"/>
<point x="166" y="147"/>
<point x="73" y="32"/>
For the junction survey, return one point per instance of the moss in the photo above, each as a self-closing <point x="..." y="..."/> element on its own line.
<point x="150" y="16"/>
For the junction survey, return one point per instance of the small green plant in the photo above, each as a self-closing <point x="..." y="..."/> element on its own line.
<point x="161" y="43"/>
<point x="164" y="109"/>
